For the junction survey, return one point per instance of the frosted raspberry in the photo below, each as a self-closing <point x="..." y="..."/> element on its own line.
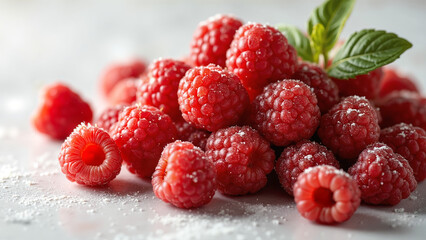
<point x="184" y="176"/>
<point x="296" y="158"/>
<point x="260" y="55"/>
<point x="89" y="156"/>
<point x="160" y="88"/>
<point x="141" y="134"/>
<point x="409" y="142"/>
<point x="187" y="132"/>
<point x="212" y="39"/>
<point x="124" y="92"/>
<point x="60" y="111"/>
<point x="109" y="117"/>
<point x="393" y="81"/>
<point x="242" y="159"/>
<point x="383" y="176"/>
<point x="211" y="97"/>
<point x="286" y="112"/>
<point x="326" y="195"/>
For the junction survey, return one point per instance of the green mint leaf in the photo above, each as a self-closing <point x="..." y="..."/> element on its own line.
<point x="332" y="14"/>
<point x="298" y="40"/>
<point x="317" y="40"/>
<point x="365" y="51"/>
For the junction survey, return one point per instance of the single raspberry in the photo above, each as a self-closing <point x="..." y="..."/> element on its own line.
<point x="260" y="55"/>
<point x="409" y="142"/>
<point x="184" y="176"/>
<point x="187" y="132"/>
<point x="141" y="134"/>
<point x="242" y="159"/>
<point x="296" y="158"/>
<point x="119" y="72"/>
<point x="109" y="117"/>
<point x="60" y="111"/>
<point x="383" y="176"/>
<point x="366" y="85"/>
<point x="326" y="195"/>
<point x="211" y="97"/>
<point x="89" y="156"/>
<point x="324" y="88"/>
<point x="161" y="86"/>
<point x="349" y="127"/>
<point x="212" y="39"/>
<point x="124" y="92"/>
<point x="286" y="112"/>
<point x="403" y="107"/>
<point x="393" y="81"/>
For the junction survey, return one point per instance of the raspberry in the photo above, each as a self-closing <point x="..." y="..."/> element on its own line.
<point x="296" y="158"/>
<point x="349" y="127"/>
<point x="89" y="156"/>
<point x="383" y="176"/>
<point x="403" y="107"/>
<point x="211" y="97"/>
<point x="187" y="132"/>
<point x="324" y="88"/>
<point x="286" y="112"/>
<point x="119" y="72"/>
<point x="60" y="111"/>
<point x="366" y="85"/>
<point x="161" y="86"/>
<point x="141" y="134"/>
<point x="184" y="176"/>
<point x="392" y="81"/>
<point x="242" y="159"/>
<point x="124" y="92"/>
<point x="260" y="55"/>
<point x="212" y="39"/>
<point x="409" y="142"/>
<point x="109" y="117"/>
<point x="326" y="195"/>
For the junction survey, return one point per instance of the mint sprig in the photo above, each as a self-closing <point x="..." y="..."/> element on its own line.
<point x="298" y="40"/>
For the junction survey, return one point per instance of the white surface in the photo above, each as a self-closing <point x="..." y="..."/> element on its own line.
<point x="73" y="41"/>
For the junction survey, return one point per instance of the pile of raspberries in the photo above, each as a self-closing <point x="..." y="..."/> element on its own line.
<point x="239" y="106"/>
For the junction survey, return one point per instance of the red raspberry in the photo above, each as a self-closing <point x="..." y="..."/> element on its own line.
<point x="286" y="112"/>
<point x="403" y="106"/>
<point x="296" y="158"/>
<point x="212" y="39"/>
<point x="349" y="127"/>
<point x="109" y="117"/>
<point x="187" y="132"/>
<point x="124" y="92"/>
<point x="141" y="134"/>
<point x="60" y="111"/>
<point x="161" y="86"/>
<point x="242" y="159"/>
<point x="184" y="176"/>
<point x="89" y="156"/>
<point x="260" y="55"/>
<point x="383" y="176"/>
<point x="326" y="195"/>
<point x="410" y="142"/>
<point x="324" y="88"/>
<point x="211" y="97"/>
<point x="366" y="85"/>
<point x="119" y="72"/>
<point x="393" y="81"/>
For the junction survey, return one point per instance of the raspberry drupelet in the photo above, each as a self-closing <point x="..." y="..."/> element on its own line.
<point x="394" y="81"/>
<point x="141" y="134"/>
<point x="296" y="158"/>
<point x="212" y="39"/>
<point x="124" y="92"/>
<point x="187" y="132"/>
<point x="89" y="156"/>
<point x="383" y="176"/>
<point x="109" y="117"/>
<point x="409" y="142"/>
<point x="242" y="159"/>
<point x="211" y="98"/>
<point x="184" y="176"/>
<point x="326" y="195"/>
<point x="286" y="112"/>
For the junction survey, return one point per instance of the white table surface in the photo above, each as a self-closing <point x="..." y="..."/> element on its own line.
<point x="45" y="41"/>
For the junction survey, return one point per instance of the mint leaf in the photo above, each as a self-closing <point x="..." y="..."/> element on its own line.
<point x="298" y="40"/>
<point x="317" y="40"/>
<point x="332" y="14"/>
<point x="365" y="51"/>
